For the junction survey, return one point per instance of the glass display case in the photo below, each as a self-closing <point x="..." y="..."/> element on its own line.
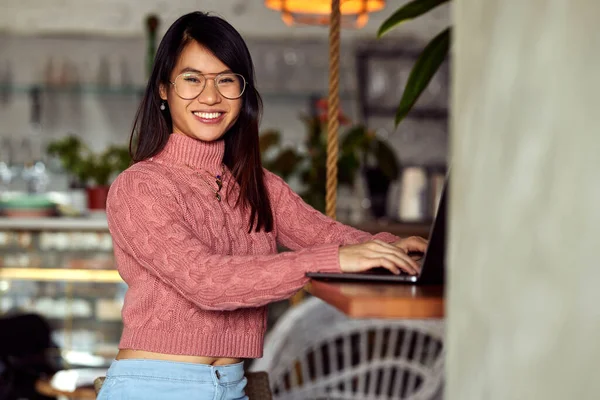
<point x="64" y="270"/>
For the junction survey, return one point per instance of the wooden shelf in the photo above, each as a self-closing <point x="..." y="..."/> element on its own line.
<point x="97" y="223"/>
<point x="61" y="275"/>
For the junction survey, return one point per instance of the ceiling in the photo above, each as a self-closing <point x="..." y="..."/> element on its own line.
<point x="125" y="18"/>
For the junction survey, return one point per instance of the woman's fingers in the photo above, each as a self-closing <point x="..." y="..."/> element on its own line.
<point x="404" y="261"/>
<point x="385" y="263"/>
<point x="412" y="244"/>
<point x="364" y="256"/>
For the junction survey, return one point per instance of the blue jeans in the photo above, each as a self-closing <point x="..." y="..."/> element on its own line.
<point x="166" y="380"/>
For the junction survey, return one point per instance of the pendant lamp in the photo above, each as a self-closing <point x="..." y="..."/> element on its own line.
<point x="354" y="13"/>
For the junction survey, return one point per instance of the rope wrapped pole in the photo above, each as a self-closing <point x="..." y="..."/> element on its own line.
<point x="332" y="119"/>
<point x="333" y="109"/>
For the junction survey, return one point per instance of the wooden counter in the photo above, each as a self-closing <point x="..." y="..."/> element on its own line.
<point x="381" y="300"/>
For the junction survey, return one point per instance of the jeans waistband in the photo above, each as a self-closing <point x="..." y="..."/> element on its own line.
<point x="177" y="370"/>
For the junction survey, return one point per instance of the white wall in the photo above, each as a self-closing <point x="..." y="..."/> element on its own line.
<point x="523" y="312"/>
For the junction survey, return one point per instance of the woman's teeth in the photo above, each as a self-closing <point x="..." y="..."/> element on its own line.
<point x="206" y="115"/>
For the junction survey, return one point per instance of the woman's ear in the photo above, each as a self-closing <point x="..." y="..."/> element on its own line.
<point x="162" y="90"/>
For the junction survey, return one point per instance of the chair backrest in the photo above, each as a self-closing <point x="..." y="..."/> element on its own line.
<point x="315" y="351"/>
<point x="98" y="383"/>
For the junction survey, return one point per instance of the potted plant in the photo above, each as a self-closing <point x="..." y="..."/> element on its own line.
<point x="101" y="168"/>
<point x="69" y="151"/>
<point x="284" y="161"/>
<point x="360" y="151"/>
<point x="89" y="170"/>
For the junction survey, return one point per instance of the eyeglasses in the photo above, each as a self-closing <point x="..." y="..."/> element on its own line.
<point x="189" y="85"/>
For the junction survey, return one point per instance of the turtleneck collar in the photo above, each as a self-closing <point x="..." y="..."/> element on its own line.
<point x="184" y="150"/>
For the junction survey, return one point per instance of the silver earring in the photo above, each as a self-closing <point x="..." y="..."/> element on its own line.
<point x="162" y="106"/>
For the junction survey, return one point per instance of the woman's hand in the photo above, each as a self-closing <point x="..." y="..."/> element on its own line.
<point x="364" y="256"/>
<point x="414" y="246"/>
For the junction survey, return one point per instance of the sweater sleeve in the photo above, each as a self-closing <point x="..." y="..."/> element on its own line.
<point x="148" y="222"/>
<point x="300" y="226"/>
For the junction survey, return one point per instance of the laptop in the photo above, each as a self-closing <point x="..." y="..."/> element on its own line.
<point x="433" y="266"/>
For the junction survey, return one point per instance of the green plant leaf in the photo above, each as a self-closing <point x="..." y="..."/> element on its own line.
<point x="118" y="157"/>
<point x="409" y="11"/>
<point x="355" y="137"/>
<point x="268" y="139"/>
<point x="426" y="66"/>
<point x="286" y="163"/>
<point x="386" y="159"/>
<point x="80" y="162"/>
<point x="348" y="165"/>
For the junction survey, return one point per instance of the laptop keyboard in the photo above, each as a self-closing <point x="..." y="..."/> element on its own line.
<point x="384" y="271"/>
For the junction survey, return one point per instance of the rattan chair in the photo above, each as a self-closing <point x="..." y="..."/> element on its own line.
<point x="316" y="352"/>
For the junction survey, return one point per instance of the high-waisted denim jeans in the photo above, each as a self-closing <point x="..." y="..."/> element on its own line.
<point x="166" y="380"/>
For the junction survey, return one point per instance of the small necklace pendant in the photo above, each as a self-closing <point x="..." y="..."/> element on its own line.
<point x="219" y="181"/>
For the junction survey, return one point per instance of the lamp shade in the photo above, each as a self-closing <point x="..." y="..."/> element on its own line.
<point x="355" y="13"/>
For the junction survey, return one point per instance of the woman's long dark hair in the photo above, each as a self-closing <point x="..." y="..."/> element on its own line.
<point x="151" y="128"/>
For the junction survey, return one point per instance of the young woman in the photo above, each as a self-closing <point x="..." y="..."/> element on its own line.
<point x="196" y="222"/>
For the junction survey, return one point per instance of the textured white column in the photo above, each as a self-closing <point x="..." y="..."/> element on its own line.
<point x="524" y="248"/>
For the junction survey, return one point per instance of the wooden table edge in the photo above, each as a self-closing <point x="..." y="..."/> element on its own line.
<point x="369" y="307"/>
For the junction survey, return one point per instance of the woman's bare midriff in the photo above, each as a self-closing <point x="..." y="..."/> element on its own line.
<point x="127" y="354"/>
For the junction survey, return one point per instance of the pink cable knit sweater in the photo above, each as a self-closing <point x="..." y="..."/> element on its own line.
<point x="198" y="281"/>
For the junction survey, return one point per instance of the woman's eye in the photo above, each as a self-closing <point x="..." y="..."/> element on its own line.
<point x="226" y="79"/>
